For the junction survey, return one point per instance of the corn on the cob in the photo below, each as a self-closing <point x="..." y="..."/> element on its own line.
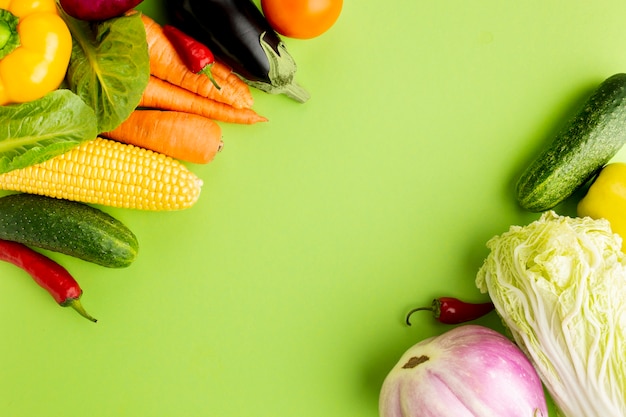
<point x="110" y="173"/>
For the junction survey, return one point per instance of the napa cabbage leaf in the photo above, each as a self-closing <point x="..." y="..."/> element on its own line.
<point x="559" y="285"/>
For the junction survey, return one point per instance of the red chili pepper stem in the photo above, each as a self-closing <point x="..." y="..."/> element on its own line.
<point x="434" y="308"/>
<point x="206" y="70"/>
<point x="196" y="56"/>
<point x="78" y="306"/>
<point x="450" y="310"/>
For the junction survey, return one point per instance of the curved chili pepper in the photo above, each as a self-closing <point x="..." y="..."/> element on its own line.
<point x="196" y="56"/>
<point x="450" y="310"/>
<point x="51" y="276"/>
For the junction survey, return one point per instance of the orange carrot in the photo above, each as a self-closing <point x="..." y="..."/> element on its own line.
<point x="221" y="70"/>
<point x="167" y="65"/>
<point x="184" y="136"/>
<point x="226" y="76"/>
<point x="162" y="95"/>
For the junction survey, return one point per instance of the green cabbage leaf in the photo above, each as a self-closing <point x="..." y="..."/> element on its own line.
<point x="33" y="132"/>
<point x="109" y="67"/>
<point x="559" y="285"/>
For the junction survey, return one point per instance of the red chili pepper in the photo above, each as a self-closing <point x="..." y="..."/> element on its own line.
<point x="197" y="57"/>
<point x="51" y="276"/>
<point x="450" y="310"/>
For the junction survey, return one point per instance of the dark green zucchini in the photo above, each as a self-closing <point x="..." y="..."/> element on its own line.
<point x="67" y="227"/>
<point x="586" y="144"/>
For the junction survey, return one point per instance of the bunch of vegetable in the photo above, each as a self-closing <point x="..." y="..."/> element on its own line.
<point x="248" y="40"/>
<point x="68" y="227"/>
<point x="122" y="103"/>
<point x="559" y="283"/>
<point x="50" y="145"/>
<point x="119" y="110"/>
<point x="178" y="109"/>
<point x="40" y="120"/>
<point x="146" y="97"/>
<point x="238" y="33"/>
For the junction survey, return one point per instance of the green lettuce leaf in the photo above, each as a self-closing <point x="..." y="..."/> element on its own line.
<point x="32" y="132"/>
<point x="559" y="285"/>
<point x="109" y="67"/>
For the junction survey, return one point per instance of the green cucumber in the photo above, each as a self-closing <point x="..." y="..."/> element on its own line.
<point x="68" y="227"/>
<point x="586" y="144"/>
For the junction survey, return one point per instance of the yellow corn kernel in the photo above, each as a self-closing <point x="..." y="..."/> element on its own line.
<point x="110" y="173"/>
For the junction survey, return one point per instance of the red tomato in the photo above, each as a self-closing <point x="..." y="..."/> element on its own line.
<point x="302" y="19"/>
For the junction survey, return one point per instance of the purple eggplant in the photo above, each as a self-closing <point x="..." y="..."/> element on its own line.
<point x="239" y="35"/>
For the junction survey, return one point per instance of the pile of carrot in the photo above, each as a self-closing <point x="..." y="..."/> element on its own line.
<point x="179" y="109"/>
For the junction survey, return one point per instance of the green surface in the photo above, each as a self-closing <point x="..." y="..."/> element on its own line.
<point x="283" y="291"/>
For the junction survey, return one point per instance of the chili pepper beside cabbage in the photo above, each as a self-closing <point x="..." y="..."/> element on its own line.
<point x="559" y="285"/>
<point x="450" y="310"/>
<point x="35" y="48"/>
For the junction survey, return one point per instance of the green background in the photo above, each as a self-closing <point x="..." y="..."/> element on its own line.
<point x="283" y="291"/>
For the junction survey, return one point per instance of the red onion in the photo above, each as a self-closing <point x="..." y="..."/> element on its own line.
<point x="469" y="371"/>
<point x="92" y="10"/>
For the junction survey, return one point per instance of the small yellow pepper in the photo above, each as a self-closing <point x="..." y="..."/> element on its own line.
<point x="35" y="49"/>
<point x="606" y="199"/>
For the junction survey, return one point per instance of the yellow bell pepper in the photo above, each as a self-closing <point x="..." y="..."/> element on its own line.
<point x="35" y="49"/>
<point x="606" y="199"/>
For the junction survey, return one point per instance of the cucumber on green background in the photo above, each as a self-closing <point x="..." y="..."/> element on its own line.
<point x="586" y="144"/>
<point x="68" y="227"/>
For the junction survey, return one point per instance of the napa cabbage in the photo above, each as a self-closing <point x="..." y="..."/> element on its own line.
<point x="559" y="285"/>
